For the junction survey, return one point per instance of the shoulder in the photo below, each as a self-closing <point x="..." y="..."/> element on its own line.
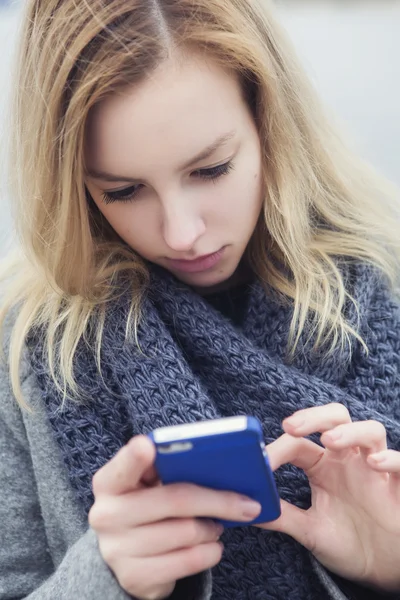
<point x="375" y="296"/>
<point x="377" y="316"/>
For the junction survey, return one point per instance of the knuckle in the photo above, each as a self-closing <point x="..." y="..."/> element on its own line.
<point x="180" y="498"/>
<point x="378" y="428"/>
<point x="100" y="516"/>
<point x="202" y="557"/>
<point x="143" y="586"/>
<point x="341" y="410"/>
<point x="219" y="549"/>
<point x="135" y="581"/>
<point x="126" y="581"/>
<point x="194" y="532"/>
<point x="94" y="517"/>
<point x="195" y="559"/>
<point x="158" y="593"/>
<point x="109" y="552"/>
<point x="97" y="482"/>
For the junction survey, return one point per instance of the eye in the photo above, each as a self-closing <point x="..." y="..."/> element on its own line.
<point x="125" y="195"/>
<point x="214" y="172"/>
<point x="128" y="194"/>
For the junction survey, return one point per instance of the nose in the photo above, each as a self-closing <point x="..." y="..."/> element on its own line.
<point x="182" y="225"/>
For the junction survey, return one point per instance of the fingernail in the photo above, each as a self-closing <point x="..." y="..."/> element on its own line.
<point x="219" y="529"/>
<point x="250" y="508"/>
<point x="295" y="422"/>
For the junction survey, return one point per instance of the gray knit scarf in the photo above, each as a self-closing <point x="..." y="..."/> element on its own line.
<point x="195" y="364"/>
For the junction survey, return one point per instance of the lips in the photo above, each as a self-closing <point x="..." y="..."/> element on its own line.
<point x="197" y="265"/>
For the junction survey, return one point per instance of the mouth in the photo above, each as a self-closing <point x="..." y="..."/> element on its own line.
<point x="196" y="265"/>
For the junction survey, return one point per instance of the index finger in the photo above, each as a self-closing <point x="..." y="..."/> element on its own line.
<point x="125" y="471"/>
<point x="316" y="419"/>
<point x="299" y="452"/>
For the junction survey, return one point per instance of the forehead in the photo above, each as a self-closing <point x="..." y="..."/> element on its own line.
<point x="180" y="108"/>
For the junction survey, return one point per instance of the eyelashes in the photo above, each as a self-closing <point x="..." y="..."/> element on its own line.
<point x="124" y="195"/>
<point x="130" y="193"/>
<point x="214" y="172"/>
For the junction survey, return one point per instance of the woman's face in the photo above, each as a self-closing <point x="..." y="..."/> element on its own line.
<point x="174" y="165"/>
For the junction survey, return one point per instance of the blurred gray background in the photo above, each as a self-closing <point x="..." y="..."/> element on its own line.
<point x="351" y="49"/>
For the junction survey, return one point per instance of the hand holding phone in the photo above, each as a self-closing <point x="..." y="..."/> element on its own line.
<point x="222" y="454"/>
<point x="150" y="535"/>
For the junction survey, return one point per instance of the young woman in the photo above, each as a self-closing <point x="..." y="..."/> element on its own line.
<point x="195" y="243"/>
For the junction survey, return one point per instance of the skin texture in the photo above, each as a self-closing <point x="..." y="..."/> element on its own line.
<point x="148" y="135"/>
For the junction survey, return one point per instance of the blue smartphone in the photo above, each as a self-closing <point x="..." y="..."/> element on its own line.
<point x="223" y="454"/>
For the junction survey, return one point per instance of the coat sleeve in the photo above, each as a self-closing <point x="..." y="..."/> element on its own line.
<point x="26" y="565"/>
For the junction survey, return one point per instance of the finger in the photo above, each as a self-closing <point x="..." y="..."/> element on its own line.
<point x="294" y="522"/>
<point x="150" y="477"/>
<point x="124" y="472"/>
<point x="387" y="461"/>
<point x="316" y="419"/>
<point x="180" y="500"/>
<point x="160" y="570"/>
<point x="170" y="535"/>
<point x="369" y="436"/>
<point x="298" y="451"/>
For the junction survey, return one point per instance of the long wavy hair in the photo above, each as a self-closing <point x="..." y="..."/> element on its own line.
<point x="322" y="204"/>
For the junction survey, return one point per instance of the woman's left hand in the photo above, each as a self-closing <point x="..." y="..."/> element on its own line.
<point x="353" y="524"/>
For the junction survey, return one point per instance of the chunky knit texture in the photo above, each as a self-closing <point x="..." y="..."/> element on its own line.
<point x="195" y="364"/>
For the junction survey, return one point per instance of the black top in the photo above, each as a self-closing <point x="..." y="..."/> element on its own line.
<point x="232" y="303"/>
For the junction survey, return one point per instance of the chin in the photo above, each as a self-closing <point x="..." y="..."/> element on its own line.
<point x="207" y="280"/>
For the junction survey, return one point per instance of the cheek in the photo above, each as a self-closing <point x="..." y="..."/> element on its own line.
<point x="137" y="226"/>
<point x="242" y="198"/>
<point x="119" y="218"/>
<point x="133" y="222"/>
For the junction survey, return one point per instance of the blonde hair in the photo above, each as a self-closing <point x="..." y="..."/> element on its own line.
<point x="321" y="202"/>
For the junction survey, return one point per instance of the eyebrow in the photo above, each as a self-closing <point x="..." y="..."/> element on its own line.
<point x="203" y="155"/>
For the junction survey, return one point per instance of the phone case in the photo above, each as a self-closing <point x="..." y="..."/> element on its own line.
<point x="232" y="459"/>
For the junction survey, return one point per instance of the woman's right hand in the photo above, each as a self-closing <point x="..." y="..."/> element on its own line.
<point x="150" y="535"/>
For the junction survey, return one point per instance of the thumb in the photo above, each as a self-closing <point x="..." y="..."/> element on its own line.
<point x="294" y="522"/>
